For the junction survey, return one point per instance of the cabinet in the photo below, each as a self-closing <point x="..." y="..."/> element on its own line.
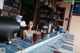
<point x="58" y="16"/>
<point x="11" y="8"/>
<point x="50" y="12"/>
<point x="44" y="14"/>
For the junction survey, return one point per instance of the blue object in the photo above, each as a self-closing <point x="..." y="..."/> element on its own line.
<point x="76" y="9"/>
<point x="7" y="50"/>
<point x="60" y="29"/>
<point x="67" y="47"/>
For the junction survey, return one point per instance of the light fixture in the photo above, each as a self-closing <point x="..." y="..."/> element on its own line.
<point x="46" y="3"/>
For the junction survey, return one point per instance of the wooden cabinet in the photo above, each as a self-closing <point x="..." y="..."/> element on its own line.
<point x="11" y="8"/>
<point x="58" y="16"/>
<point x="45" y="14"/>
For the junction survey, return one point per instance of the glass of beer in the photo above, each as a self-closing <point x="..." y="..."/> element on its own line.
<point x="34" y="39"/>
<point x="42" y="35"/>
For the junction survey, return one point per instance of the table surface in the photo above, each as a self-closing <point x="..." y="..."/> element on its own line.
<point x="19" y="44"/>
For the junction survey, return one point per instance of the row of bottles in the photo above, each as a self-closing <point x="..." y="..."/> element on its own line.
<point x="46" y="3"/>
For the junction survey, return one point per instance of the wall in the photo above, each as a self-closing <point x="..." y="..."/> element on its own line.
<point x="1" y="4"/>
<point x="67" y="11"/>
<point x="75" y="29"/>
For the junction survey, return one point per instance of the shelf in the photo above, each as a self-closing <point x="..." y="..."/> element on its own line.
<point x="12" y="4"/>
<point x="58" y="20"/>
<point x="45" y="18"/>
<point x="58" y="13"/>
<point x="46" y="12"/>
<point x="45" y="8"/>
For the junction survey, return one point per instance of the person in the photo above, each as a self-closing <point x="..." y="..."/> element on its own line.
<point x="28" y="33"/>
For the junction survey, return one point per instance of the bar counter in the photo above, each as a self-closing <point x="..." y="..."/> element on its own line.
<point x="26" y="46"/>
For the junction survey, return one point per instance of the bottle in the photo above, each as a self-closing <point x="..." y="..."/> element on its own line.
<point x="49" y="27"/>
<point x="60" y="29"/>
<point x="53" y="30"/>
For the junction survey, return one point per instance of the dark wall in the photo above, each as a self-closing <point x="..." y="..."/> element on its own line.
<point x="28" y="9"/>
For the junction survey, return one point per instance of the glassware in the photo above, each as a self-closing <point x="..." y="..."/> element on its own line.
<point x="34" y="39"/>
<point x="46" y="3"/>
<point x="42" y="35"/>
<point x="15" y="35"/>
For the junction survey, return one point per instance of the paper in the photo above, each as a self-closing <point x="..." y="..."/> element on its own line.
<point x="2" y="50"/>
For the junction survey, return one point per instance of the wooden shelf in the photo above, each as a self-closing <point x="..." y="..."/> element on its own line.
<point x="59" y="20"/>
<point x="45" y="18"/>
<point x="57" y="13"/>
